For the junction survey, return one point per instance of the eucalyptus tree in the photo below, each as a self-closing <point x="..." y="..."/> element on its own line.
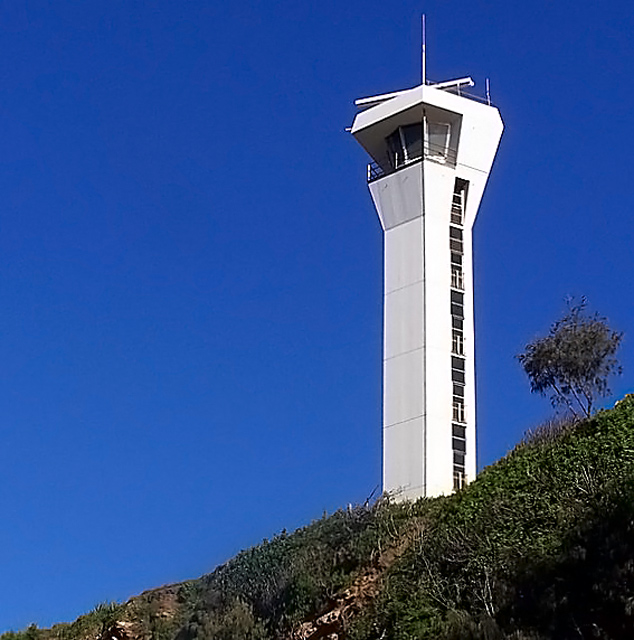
<point x="574" y="362"/>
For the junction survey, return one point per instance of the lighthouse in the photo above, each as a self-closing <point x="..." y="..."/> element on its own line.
<point x="431" y="150"/>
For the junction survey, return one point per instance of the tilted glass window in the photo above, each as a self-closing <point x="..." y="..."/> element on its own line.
<point x="405" y="145"/>
<point x="412" y="141"/>
<point x="396" y="156"/>
<point x="437" y="141"/>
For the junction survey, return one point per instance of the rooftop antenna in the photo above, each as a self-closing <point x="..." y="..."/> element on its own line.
<point x="488" y="90"/>
<point x="424" y="61"/>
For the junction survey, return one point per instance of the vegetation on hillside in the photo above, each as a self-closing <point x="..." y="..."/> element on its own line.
<point x="540" y="546"/>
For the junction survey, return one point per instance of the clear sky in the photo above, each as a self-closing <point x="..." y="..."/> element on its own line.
<point x="190" y="262"/>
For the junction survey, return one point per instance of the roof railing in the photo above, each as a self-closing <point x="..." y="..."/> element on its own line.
<point x="456" y="88"/>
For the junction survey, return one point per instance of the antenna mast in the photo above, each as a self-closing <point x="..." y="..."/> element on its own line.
<point x="424" y="52"/>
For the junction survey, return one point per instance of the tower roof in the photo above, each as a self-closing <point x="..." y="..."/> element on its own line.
<point x="446" y="101"/>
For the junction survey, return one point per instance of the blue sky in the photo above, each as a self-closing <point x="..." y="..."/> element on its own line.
<point x="190" y="263"/>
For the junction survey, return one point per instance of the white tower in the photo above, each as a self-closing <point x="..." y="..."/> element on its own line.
<point x="432" y="148"/>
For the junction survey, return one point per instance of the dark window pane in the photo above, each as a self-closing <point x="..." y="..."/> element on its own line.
<point x="458" y="431"/>
<point x="412" y="137"/>
<point x="459" y="444"/>
<point x="457" y="310"/>
<point x="395" y="152"/>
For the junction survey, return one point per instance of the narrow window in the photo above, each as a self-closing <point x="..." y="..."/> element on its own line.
<point x="458" y="430"/>
<point x="457" y="342"/>
<point x="455" y="244"/>
<point x="459" y="201"/>
<point x="458" y="409"/>
<point x="457" y="370"/>
<point x="457" y="310"/>
<point x="459" y="481"/>
<point x="457" y="278"/>
<point x="457" y="209"/>
<point x="457" y="297"/>
<point x="458" y="367"/>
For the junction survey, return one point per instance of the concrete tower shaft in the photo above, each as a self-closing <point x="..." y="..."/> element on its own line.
<point x="432" y="150"/>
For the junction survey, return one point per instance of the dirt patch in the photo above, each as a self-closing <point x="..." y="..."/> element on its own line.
<point x="331" y="622"/>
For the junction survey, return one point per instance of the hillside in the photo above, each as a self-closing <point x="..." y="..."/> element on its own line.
<point x="540" y="546"/>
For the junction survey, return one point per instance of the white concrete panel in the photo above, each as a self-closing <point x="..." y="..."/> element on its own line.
<point x="403" y="457"/>
<point x="403" y="250"/>
<point x="480" y="136"/>
<point x="439" y="459"/>
<point x="439" y="455"/>
<point x="437" y="258"/>
<point x="403" y="387"/>
<point x="403" y="325"/>
<point x="437" y="319"/>
<point x="398" y="197"/>
<point x="439" y="387"/>
<point x="438" y="185"/>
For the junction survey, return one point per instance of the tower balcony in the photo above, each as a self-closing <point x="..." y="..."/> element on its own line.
<point x="407" y="155"/>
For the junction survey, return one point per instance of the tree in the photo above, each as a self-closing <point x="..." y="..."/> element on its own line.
<point x="574" y="361"/>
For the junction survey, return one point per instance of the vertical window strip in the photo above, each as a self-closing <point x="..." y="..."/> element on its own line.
<point x="456" y="247"/>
